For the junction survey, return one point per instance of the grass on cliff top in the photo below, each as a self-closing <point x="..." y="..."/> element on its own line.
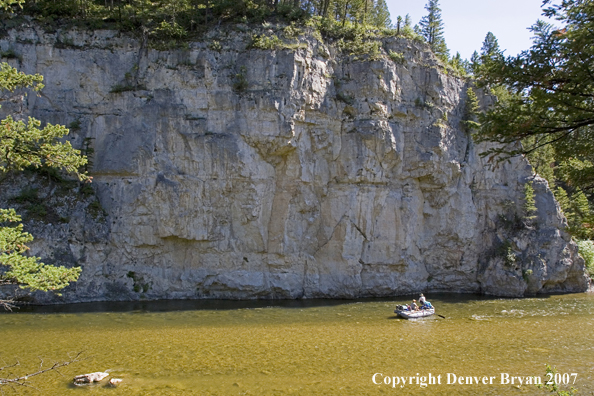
<point x="174" y="24"/>
<point x="170" y="25"/>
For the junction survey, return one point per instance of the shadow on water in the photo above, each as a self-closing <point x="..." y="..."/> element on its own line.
<point x="196" y="305"/>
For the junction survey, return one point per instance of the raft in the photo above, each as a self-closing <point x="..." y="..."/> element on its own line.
<point x="414" y="314"/>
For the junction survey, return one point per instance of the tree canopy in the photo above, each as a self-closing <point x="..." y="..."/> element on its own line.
<point x="431" y="28"/>
<point x="25" y="145"/>
<point x="546" y="102"/>
<point x="174" y="19"/>
<point x="490" y="46"/>
<point x="552" y="83"/>
<point x="170" y="23"/>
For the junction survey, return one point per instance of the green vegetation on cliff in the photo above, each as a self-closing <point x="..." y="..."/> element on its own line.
<point x="177" y="19"/>
<point x="431" y="28"/>
<point x="545" y="108"/>
<point x="26" y="145"/>
<point x="356" y="24"/>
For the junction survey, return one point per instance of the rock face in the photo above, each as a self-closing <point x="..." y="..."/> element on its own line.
<point x="244" y="173"/>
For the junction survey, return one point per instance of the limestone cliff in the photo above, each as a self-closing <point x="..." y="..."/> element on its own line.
<point x="229" y="172"/>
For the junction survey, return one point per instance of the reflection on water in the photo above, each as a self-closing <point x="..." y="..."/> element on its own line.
<point x="305" y="347"/>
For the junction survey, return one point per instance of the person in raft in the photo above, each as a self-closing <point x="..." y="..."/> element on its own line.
<point x="422" y="300"/>
<point x="413" y="306"/>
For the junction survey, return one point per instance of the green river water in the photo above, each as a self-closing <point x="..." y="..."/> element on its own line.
<point x="311" y="347"/>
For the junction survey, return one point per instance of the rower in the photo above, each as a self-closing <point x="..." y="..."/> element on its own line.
<point x="422" y="300"/>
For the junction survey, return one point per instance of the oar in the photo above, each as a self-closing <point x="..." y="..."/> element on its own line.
<point x="441" y="316"/>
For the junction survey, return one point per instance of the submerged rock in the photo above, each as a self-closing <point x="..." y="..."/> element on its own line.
<point x="323" y="175"/>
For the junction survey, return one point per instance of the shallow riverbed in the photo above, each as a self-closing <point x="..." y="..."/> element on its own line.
<point x="316" y="347"/>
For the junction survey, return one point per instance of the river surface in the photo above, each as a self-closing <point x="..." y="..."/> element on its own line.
<point x="315" y="347"/>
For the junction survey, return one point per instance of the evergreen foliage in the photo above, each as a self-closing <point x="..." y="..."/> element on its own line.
<point x="543" y="161"/>
<point x="551" y="83"/>
<point x="471" y="111"/>
<point x="586" y="250"/>
<point x="460" y="66"/>
<point x="490" y="53"/>
<point x="544" y="109"/>
<point x="26" y="145"/>
<point x="490" y="48"/>
<point x="582" y="217"/>
<point x="163" y="20"/>
<point x="530" y="209"/>
<point x="171" y="23"/>
<point x="474" y="62"/>
<point x="577" y="210"/>
<point x="26" y="271"/>
<point x="380" y="16"/>
<point x="404" y="27"/>
<point x="431" y="28"/>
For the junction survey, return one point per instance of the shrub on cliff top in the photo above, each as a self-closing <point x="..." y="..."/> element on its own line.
<point x="266" y="43"/>
<point x="178" y="18"/>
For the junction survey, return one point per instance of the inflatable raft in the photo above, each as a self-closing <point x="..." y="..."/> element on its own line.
<point x="407" y="314"/>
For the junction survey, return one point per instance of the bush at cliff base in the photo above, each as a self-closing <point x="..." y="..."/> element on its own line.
<point x="587" y="252"/>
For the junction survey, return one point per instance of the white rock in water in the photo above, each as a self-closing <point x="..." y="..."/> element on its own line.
<point x="115" y="382"/>
<point x="89" y="378"/>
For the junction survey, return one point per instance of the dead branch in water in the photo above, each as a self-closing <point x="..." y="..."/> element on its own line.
<point x="7" y="304"/>
<point x="23" y="380"/>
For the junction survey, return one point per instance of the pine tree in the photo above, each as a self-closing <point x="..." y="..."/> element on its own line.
<point x="549" y="103"/>
<point x="530" y="209"/>
<point x="432" y="27"/>
<point x="577" y="170"/>
<point x="471" y="110"/>
<point x="407" y="21"/>
<point x="564" y="202"/>
<point x="584" y="227"/>
<point x="458" y="64"/>
<point x="22" y="145"/>
<point x="365" y="7"/>
<point x="579" y="216"/>
<point x="474" y="62"/>
<point x="490" y="46"/>
<point x="381" y="15"/>
<point x="404" y="26"/>
<point x="552" y="87"/>
<point x="581" y="204"/>
<point x="586" y="249"/>
<point x="543" y="160"/>
<point x="490" y="52"/>
<point x="578" y="213"/>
